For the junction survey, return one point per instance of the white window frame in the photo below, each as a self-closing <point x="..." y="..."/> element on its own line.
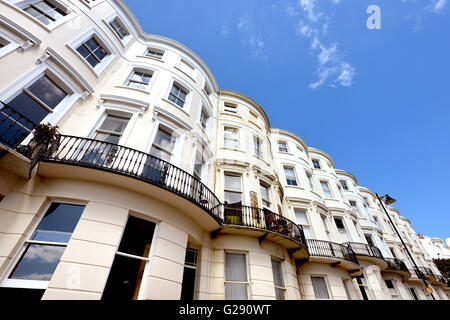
<point x="115" y="112"/>
<point x="106" y="61"/>
<point x="21" y="4"/>
<point x="230" y="108"/>
<point x="187" y="103"/>
<point x="59" y="78"/>
<point x="344" y="185"/>
<point x="326" y="225"/>
<point x="348" y="287"/>
<point x="267" y="186"/>
<point x="281" y="275"/>
<point x="138" y="68"/>
<point x="10" y="46"/>
<point x="307" y="220"/>
<point x="206" y="111"/>
<point x="225" y="189"/>
<point x="237" y="137"/>
<point x="249" y="297"/>
<point x="258" y="153"/>
<point x="394" y="292"/>
<point x="329" y="189"/>
<point x="149" y="259"/>
<point x="34" y="284"/>
<point x="309" y="176"/>
<point x="285" y="143"/>
<point x="124" y="42"/>
<point x="295" y="175"/>
<point x="156" y="49"/>
<point x="356" y="207"/>
<point x="325" y="278"/>
<point x="318" y="161"/>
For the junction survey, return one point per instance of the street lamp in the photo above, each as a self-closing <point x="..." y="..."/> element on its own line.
<point x="388" y="200"/>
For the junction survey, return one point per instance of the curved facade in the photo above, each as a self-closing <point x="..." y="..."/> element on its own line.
<point x="160" y="185"/>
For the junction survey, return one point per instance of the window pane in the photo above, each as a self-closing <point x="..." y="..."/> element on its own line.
<point x="58" y="223"/>
<point x="233" y="197"/>
<point x="137" y="237"/>
<point x="92" y="44"/>
<point x="277" y="273"/>
<point x="235" y="267"/>
<point x="28" y="107"/>
<point x="232" y="182"/>
<point x="161" y="154"/>
<point x="188" y="284"/>
<point x="236" y="291"/>
<point x="320" y="288"/>
<point x="300" y="216"/>
<point x="124" y="279"/>
<point x="114" y="123"/>
<point x="100" y="53"/>
<point x="165" y="140"/>
<point x="47" y="91"/>
<point x="264" y="193"/>
<point x="38" y="262"/>
<point x="107" y="137"/>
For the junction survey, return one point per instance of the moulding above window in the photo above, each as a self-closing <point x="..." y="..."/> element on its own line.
<point x="264" y="173"/>
<point x="225" y="163"/>
<point x="157" y="110"/>
<point x="199" y="141"/>
<point x="139" y="104"/>
<point x="50" y="53"/>
<point x="30" y="40"/>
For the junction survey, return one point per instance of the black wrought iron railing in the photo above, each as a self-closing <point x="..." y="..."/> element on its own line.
<point x="14" y="126"/>
<point x="133" y="163"/>
<point x="427" y="271"/>
<point x="263" y="219"/>
<point x="363" y="249"/>
<point x="396" y="265"/>
<point x="327" y="249"/>
<point x="442" y="279"/>
<point x="415" y="273"/>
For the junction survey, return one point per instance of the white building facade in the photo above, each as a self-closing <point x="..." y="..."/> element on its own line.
<point x="160" y="185"/>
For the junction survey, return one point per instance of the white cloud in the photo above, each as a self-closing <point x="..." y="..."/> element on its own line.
<point x="438" y="5"/>
<point x="331" y="69"/>
<point x="447" y="241"/>
<point x="250" y="39"/>
<point x="48" y="254"/>
<point x="225" y="32"/>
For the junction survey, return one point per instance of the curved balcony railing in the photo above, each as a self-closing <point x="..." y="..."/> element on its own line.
<point x="327" y="249"/>
<point x="396" y="265"/>
<point x="427" y="271"/>
<point x="363" y="249"/>
<point x="14" y="126"/>
<point x="263" y="219"/>
<point x="132" y="163"/>
<point x="442" y="279"/>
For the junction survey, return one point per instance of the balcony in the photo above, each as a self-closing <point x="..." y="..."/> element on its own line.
<point x="333" y="253"/>
<point x="370" y="253"/>
<point x="441" y="280"/>
<point x="131" y="169"/>
<point x="395" y="265"/>
<point x="427" y="272"/>
<point x="264" y="224"/>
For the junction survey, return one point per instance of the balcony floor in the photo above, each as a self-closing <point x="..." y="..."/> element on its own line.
<point x="76" y="172"/>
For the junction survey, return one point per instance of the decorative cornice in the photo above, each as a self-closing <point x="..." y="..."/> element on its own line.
<point x="50" y="53"/>
<point x="348" y="174"/>
<point x="143" y="36"/>
<point x="293" y="136"/>
<point x="141" y="105"/>
<point x="322" y="153"/>
<point x="184" y="124"/>
<point x="21" y="31"/>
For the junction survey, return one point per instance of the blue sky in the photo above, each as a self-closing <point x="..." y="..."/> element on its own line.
<point x="376" y="100"/>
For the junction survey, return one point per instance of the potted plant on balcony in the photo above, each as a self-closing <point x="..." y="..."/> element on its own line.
<point x="44" y="138"/>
